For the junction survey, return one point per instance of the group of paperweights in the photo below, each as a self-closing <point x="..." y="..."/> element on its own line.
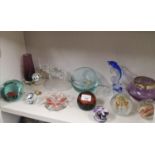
<point x="129" y="91"/>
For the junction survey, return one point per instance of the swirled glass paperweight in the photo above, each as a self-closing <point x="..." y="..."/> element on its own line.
<point x="85" y="79"/>
<point x="146" y="109"/>
<point x="142" y="88"/>
<point x="12" y="90"/>
<point x="100" y="114"/>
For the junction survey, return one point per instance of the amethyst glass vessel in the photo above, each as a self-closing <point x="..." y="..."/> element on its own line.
<point x="28" y="67"/>
<point x="142" y="88"/>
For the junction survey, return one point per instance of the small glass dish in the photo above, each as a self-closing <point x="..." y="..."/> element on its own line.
<point x="85" y="79"/>
<point x="56" y="101"/>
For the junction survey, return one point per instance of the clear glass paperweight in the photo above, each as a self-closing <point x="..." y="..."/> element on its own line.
<point x="121" y="104"/>
<point x="12" y="90"/>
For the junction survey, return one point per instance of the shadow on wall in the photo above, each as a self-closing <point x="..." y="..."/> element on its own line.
<point x="72" y="49"/>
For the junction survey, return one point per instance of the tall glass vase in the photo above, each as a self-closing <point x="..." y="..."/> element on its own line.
<point x="28" y="67"/>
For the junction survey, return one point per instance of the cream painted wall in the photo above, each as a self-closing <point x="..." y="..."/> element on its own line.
<point x="12" y="46"/>
<point x="70" y="50"/>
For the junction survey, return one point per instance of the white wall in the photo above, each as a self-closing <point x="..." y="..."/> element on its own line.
<point x="70" y="50"/>
<point x="12" y="46"/>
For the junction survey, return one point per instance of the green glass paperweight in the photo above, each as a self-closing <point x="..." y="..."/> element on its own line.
<point x="12" y="90"/>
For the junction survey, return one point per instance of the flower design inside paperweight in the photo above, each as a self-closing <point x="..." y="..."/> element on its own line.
<point x="146" y="109"/>
<point x="57" y="101"/>
<point x="121" y="104"/>
<point x="86" y="100"/>
<point x="12" y="90"/>
<point x="100" y="114"/>
<point x="142" y="88"/>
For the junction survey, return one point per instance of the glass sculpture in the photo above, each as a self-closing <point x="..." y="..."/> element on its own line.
<point x="12" y="90"/>
<point x="120" y="102"/>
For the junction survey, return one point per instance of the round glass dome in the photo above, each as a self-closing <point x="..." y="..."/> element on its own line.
<point x="84" y="79"/>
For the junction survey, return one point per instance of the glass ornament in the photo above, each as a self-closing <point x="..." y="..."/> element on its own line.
<point x="28" y="67"/>
<point x="12" y="90"/>
<point x="86" y="100"/>
<point x="56" y="101"/>
<point x="58" y="79"/>
<point x="121" y="104"/>
<point x="100" y="114"/>
<point x="146" y="109"/>
<point x="31" y="98"/>
<point x="87" y="79"/>
<point x="142" y="88"/>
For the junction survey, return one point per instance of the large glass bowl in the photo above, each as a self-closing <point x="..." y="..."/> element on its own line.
<point x="84" y="79"/>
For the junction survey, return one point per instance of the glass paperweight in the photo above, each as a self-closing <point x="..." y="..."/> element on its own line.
<point x="84" y="79"/>
<point x="142" y="88"/>
<point x="30" y="98"/>
<point x="146" y="109"/>
<point x="12" y="90"/>
<point x="121" y="104"/>
<point x="86" y="100"/>
<point x="57" y="101"/>
<point x="100" y="114"/>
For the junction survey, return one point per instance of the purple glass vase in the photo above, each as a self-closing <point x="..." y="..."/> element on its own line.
<point x="28" y="67"/>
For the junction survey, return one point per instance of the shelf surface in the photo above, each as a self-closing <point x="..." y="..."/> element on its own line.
<point x="71" y="114"/>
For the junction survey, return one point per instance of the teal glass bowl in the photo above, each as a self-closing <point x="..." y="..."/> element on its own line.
<point x="12" y="90"/>
<point x="84" y="79"/>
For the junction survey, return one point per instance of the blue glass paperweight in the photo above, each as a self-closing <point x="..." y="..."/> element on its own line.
<point x="12" y="90"/>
